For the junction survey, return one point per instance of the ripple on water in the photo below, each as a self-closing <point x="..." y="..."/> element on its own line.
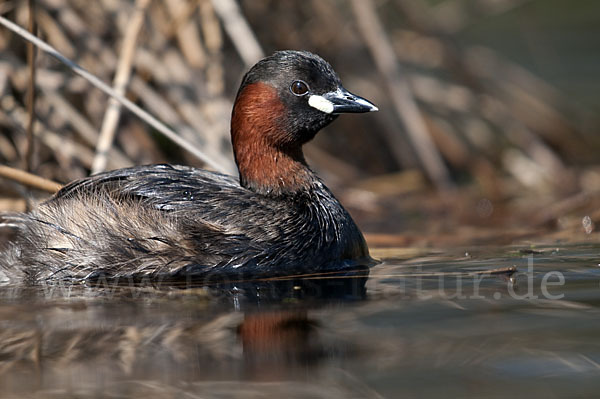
<point x="477" y="324"/>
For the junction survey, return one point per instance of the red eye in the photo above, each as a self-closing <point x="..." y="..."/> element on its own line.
<point x="299" y="88"/>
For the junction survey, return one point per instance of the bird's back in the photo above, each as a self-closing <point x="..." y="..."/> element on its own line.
<point x="174" y="221"/>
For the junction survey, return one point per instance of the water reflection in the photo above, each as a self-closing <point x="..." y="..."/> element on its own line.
<point x="67" y="340"/>
<point x="476" y="324"/>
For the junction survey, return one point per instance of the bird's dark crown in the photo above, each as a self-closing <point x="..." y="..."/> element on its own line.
<point x="299" y="120"/>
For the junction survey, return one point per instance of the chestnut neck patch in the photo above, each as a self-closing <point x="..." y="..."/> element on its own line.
<point x="269" y="159"/>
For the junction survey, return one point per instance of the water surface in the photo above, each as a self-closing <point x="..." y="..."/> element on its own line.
<point x="486" y="322"/>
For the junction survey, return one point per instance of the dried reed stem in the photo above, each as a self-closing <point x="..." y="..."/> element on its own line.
<point x="400" y="92"/>
<point x="113" y="112"/>
<point x="239" y="31"/>
<point x="29" y="179"/>
<point x="145" y="116"/>
<point x="29" y="155"/>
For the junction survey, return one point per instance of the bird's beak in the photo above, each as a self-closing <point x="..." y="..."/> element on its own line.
<point x="340" y="101"/>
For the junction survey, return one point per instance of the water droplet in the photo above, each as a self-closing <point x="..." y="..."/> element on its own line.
<point x="187" y="196"/>
<point x="588" y="224"/>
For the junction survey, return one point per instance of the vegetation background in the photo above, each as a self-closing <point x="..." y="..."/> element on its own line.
<point x="488" y="121"/>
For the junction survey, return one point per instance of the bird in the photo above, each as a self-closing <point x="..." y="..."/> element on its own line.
<point x="168" y="221"/>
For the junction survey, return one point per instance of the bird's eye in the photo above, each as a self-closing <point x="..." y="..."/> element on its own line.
<point x="299" y="88"/>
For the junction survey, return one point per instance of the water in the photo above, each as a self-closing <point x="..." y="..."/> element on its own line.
<point x="494" y="322"/>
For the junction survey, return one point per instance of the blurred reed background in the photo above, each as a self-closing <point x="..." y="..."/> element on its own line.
<point x="488" y="108"/>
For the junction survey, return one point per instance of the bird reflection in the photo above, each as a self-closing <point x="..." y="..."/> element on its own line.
<point x="263" y="330"/>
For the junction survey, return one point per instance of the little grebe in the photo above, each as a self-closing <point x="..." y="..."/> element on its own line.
<point x="176" y="221"/>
